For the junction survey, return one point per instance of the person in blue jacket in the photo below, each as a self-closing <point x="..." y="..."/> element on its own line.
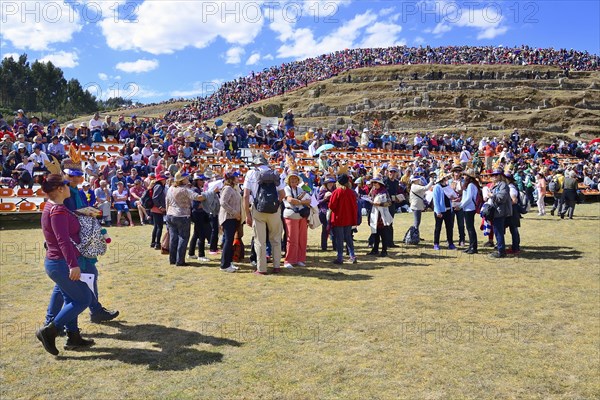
<point x="467" y="204"/>
<point x="442" y="208"/>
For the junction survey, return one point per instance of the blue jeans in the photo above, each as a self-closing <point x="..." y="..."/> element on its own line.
<point x="341" y="234"/>
<point x="179" y="236"/>
<point x="498" y="225"/>
<point x="230" y="227"/>
<point x="77" y="296"/>
<point x="88" y="266"/>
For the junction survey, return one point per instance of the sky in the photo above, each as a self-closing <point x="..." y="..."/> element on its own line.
<point x="154" y="50"/>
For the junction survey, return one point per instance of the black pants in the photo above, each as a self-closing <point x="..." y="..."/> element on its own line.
<point x="460" y="222"/>
<point x="158" y="221"/>
<point x="214" y="233"/>
<point x="383" y="235"/>
<point x="390" y="235"/>
<point x="448" y="220"/>
<point x="470" y="226"/>
<point x="324" y="233"/>
<point x="230" y="227"/>
<point x="202" y="232"/>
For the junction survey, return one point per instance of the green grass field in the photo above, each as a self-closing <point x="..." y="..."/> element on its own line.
<point x="418" y="325"/>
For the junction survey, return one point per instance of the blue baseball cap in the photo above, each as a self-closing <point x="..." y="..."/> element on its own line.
<point x="73" y="172"/>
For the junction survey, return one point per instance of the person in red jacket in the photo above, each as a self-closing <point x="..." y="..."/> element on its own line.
<point x="343" y="204"/>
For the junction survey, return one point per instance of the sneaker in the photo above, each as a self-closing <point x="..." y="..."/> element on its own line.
<point x="471" y="251"/>
<point x="497" y="255"/>
<point x="131" y="225"/>
<point x="451" y="246"/>
<point x="257" y="272"/>
<point x="511" y="251"/>
<point x="253" y="264"/>
<point x="183" y="264"/>
<point x="234" y="267"/>
<point x="213" y="253"/>
<point x="103" y="315"/>
<point x="488" y="244"/>
<point x="373" y="253"/>
<point x="153" y="245"/>
<point x="552" y="212"/>
<point x="383" y="254"/>
<point x="228" y="269"/>
<point x="436" y="246"/>
<point x="353" y="260"/>
<point x="301" y="264"/>
<point x="337" y="262"/>
<point x="288" y="265"/>
<point x="193" y="257"/>
<point x="203" y="259"/>
<point x="461" y="243"/>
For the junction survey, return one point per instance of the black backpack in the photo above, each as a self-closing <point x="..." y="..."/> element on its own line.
<point x="267" y="196"/>
<point x="412" y="236"/>
<point x="146" y="199"/>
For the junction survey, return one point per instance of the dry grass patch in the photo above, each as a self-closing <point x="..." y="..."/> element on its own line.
<point x="416" y="325"/>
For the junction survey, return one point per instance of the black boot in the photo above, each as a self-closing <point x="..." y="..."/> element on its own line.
<point x="47" y="335"/>
<point x="103" y="315"/>
<point x="75" y="341"/>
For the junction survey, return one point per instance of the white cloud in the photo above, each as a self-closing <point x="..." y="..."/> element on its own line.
<point x="15" y="56"/>
<point x="103" y="76"/>
<point x="234" y="55"/>
<point x="36" y="25"/>
<point x="253" y="59"/>
<point x="268" y="57"/>
<point x="382" y="34"/>
<point x="384" y="12"/>
<point x="137" y="66"/>
<point x="419" y="40"/>
<point x="199" y="89"/>
<point x="62" y="59"/>
<point x="303" y="43"/>
<point x="488" y="21"/>
<point x="163" y="27"/>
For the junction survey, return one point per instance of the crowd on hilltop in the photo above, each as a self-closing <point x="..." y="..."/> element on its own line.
<point x="289" y="76"/>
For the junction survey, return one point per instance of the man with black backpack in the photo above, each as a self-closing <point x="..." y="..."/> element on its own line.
<point x="264" y="189"/>
<point x="556" y="187"/>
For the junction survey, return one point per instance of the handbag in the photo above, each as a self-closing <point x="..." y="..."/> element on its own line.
<point x="304" y="212"/>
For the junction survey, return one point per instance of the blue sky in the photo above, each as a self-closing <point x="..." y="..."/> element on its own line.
<point x="154" y="50"/>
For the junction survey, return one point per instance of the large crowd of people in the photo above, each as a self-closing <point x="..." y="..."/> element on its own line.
<point x="278" y="80"/>
<point x="191" y="178"/>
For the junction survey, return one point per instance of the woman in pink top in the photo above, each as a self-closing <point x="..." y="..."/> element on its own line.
<point x="61" y="231"/>
<point x="540" y="185"/>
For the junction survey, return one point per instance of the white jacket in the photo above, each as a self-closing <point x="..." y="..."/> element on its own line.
<point x="377" y="211"/>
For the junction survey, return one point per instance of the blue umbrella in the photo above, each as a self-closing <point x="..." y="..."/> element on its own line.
<point x="219" y="122"/>
<point x="323" y="148"/>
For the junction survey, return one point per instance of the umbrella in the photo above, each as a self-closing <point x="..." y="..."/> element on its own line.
<point x="597" y="140"/>
<point x="219" y="122"/>
<point x="323" y="148"/>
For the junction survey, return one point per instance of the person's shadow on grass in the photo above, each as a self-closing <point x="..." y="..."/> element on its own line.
<point x="174" y="353"/>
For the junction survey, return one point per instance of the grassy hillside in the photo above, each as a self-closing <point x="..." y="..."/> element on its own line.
<point x="503" y="98"/>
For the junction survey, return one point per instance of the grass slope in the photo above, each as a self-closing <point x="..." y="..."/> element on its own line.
<point x="418" y="325"/>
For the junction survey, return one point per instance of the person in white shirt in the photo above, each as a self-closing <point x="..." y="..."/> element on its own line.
<point x="95" y="126"/>
<point x="465" y="156"/>
<point x="147" y="150"/>
<point x="39" y="158"/>
<point x="261" y="222"/>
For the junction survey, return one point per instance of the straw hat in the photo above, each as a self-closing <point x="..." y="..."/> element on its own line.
<point x="470" y="173"/>
<point x="181" y="176"/>
<point x="441" y="177"/>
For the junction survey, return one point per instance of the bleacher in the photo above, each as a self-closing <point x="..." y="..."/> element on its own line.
<point x="23" y="202"/>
